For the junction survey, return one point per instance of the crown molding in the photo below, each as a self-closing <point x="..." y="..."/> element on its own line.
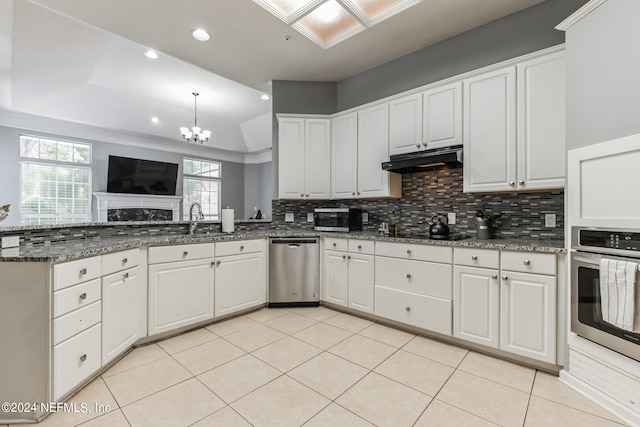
<point x="579" y="14"/>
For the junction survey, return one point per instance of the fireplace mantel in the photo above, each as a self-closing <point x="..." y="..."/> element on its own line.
<point x="106" y="201"/>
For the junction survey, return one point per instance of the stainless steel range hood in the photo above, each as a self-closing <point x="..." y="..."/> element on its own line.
<point x="420" y="161"/>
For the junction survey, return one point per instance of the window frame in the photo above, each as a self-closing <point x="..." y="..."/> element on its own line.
<point x="185" y="207"/>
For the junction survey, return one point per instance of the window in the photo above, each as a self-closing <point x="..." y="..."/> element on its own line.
<point x="55" y="181"/>
<point x="201" y="184"/>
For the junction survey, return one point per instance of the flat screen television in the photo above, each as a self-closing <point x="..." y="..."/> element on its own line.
<point x="139" y="176"/>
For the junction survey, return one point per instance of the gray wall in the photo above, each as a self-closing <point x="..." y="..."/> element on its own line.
<point x="258" y="187"/>
<point x="603" y="74"/>
<point x="232" y="173"/>
<point x="514" y="35"/>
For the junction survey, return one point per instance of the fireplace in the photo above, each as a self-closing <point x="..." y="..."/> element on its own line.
<point x="136" y="207"/>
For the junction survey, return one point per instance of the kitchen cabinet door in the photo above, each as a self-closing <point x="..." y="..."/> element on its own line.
<point x="120" y="305"/>
<point x="317" y="165"/>
<point x="476" y="305"/>
<point x="541" y="123"/>
<point x="361" y="283"/>
<point x="405" y="124"/>
<point x="442" y="116"/>
<point x="291" y="158"/>
<point x="490" y="131"/>
<point x="241" y="282"/>
<point x="344" y="156"/>
<point x="180" y="294"/>
<point x="373" y="149"/>
<point x="336" y="276"/>
<point x="528" y="315"/>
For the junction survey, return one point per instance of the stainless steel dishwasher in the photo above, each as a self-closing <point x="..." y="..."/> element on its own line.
<point x="294" y="271"/>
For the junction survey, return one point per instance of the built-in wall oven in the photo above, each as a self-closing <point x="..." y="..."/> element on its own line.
<point x="589" y="247"/>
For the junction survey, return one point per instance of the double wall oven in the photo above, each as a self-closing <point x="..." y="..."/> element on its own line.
<point x="589" y="246"/>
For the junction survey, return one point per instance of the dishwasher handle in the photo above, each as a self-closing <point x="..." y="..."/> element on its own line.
<point x="292" y="241"/>
<point x="293" y="245"/>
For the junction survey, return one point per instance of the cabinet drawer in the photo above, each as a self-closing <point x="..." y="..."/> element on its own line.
<point x="77" y="321"/>
<point x="75" y="297"/>
<point x="160" y="254"/>
<point x="112" y="263"/>
<point x="417" y="252"/>
<point x="420" y="277"/>
<point x="484" y="258"/>
<point x="74" y="272"/>
<point x="362" y="246"/>
<point x="75" y="360"/>
<point x="422" y="311"/>
<point x="336" y="244"/>
<point x="238" y="247"/>
<point x="528" y="262"/>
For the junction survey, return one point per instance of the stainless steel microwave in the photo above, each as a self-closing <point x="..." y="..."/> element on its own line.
<point x="337" y="219"/>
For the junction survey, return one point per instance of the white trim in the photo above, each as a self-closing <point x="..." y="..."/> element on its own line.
<point x="579" y="14"/>
<point x="256" y="158"/>
<point x="106" y="201"/>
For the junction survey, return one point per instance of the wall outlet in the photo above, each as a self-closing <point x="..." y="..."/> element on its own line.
<point x="451" y="216"/>
<point x="365" y="217"/>
<point x="288" y="217"/>
<point x="310" y="217"/>
<point x="10" y="242"/>
<point x="550" y="220"/>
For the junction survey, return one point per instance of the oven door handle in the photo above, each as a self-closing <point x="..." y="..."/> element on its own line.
<point x="587" y="259"/>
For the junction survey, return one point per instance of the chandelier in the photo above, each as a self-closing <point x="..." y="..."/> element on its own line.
<point x="195" y="134"/>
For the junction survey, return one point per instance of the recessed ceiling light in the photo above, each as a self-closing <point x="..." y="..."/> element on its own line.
<point x="150" y="54"/>
<point x="201" y="35"/>
<point x="155" y="120"/>
<point x="265" y="97"/>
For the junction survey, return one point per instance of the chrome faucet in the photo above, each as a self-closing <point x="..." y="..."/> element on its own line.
<point x="193" y="222"/>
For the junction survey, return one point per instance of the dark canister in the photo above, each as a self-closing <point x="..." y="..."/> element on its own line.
<point x="484" y="226"/>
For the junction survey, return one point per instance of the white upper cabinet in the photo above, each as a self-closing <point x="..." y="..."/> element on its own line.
<point x="442" y="116"/>
<point x="304" y="158"/>
<point x="516" y="146"/>
<point x="344" y="156"/>
<point x="541" y="123"/>
<point x="373" y="149"/>
<point x="490" y="131"/>
<point x="405" y="124"/>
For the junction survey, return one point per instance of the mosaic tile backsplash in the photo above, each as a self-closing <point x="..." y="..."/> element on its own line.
<point x="440" y="191"/>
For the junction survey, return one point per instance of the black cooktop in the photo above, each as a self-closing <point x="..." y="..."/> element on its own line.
<point x="427" y="236"/>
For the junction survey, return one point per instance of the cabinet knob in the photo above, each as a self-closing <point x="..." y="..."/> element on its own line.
<point x="217" y="263"/>
<point x="348" y="256"/>
<point x="474" y="257"/>
<point x="125" y="260"/>
<point x="494" y="276"/>
<point x="520" y="182"/>
<point x="83" y="357"/>
<point x="408" y="251"/>
<point x="301" y="194"/>
<point x="417" y="145"/>
<point x="526" y="262"/>
<point x="185" y="253"/>
<point x="409" y="276"/>
<point x="407" y="309"/>
<point x="241" y="248"/>
<point x="512" y="183"/>
<point x="359" y="246"/>
<point x="358" y="193"/>
<point x="125" y="275"/>
<point x="83" y="296"/>
<point x="353" y="194"/>
<point x="335" y="244"/>
<point x="307" y="194"/>
<point x="505" y="277"/>
<point x="83" y="271"/>
<point x="344" y="257"/>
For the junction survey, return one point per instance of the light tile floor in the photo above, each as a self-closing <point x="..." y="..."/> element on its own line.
<point x="319" y="367"/>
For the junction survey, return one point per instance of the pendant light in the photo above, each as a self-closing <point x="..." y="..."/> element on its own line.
<point x="195" y="134"/>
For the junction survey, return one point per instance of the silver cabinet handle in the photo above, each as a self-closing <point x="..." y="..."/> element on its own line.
<point x="409" y="276"/>
<point x="512" y="183"/>
<point x="526" y="262"/>
<point x="83" y="271"/>
<point x="520" y="182"/>
<point x="474" y="257"/>
<point x="307" y="194"/>
<point x="83" y="357"/>
<point x="242" y="248"/>
<point x="185" y="253"/>
<point x="301" y="194"/>
<point x="83" y="296"/>
<point x="125" y="260"/>
<point x="125" y="275"/>
<point x="408" y="251"/>
<point x="494" y="276"/>
<point x="505" y="277"/>
<point x="407" y="309"/>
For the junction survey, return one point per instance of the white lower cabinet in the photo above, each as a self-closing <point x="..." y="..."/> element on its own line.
<point x="360" y="283"/>
<point x="241" y="278"/>
<point x="75" y="360"/>
<point x="180" y="294"/>
<point x="120" y="304"/>
<point x="336" y="277"/>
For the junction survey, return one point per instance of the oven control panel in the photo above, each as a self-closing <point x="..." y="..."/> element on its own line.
<point x="610" y="239"/>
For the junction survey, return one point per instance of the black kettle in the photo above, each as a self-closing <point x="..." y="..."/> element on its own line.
<point x="439" y="228"/>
